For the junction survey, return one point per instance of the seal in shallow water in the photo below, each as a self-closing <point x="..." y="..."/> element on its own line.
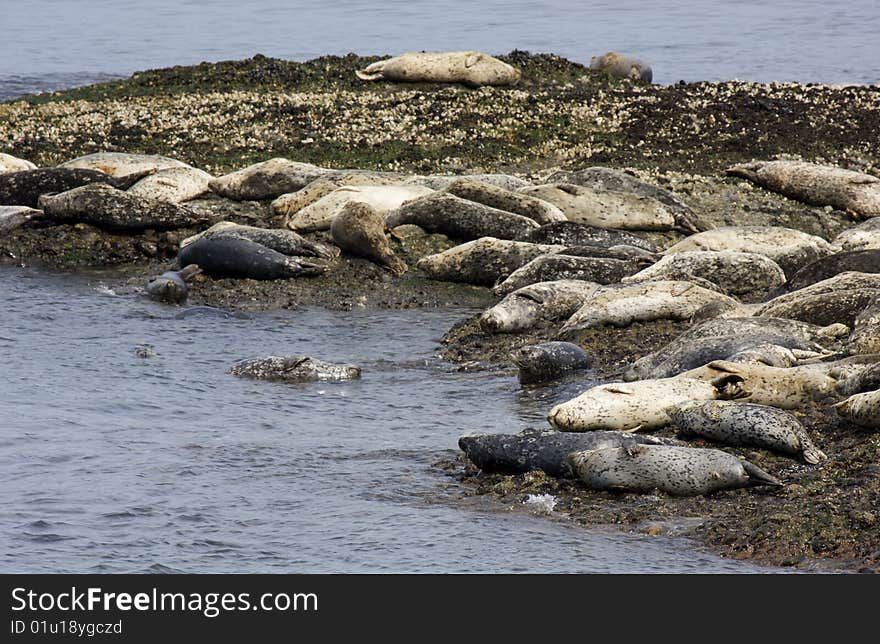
<point x="222" y="256"/>
<point x="294" y="369"/>
<point x="171" y="286"/>
<point x="25" y="188"/>
<point x="679" y="471"/>
<point x="469" y="67"/>
<point x="360" y="230"/>
<point x="548" y="361"/>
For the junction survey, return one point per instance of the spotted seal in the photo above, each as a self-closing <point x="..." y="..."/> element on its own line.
<point x="441" y="181"/>
<point x="862" y="237"/>
<point x="678" y="471"/>
<point x="120" y="164"/>
<point x="861" y="409"/>
<point x="738" y="423"/>
<point x="531" y="305"/>
<point x="292" y="202"/>
<point x="294" y="369"/>
<point x="573" y="233"/>
<point x="482" y="261"/>
<point x="9" y="163"/>
<point x="278" y="239"/>
<point x="171" y="286"/>
<point x="360" y="230"/>
<point x="12" y="217"/>
<point x="175" y="185"/>
<point x="384" y="199"/>
<point x="860" y="261"/>
<point x="620" y="65"/>
<point x="518" y="203"/>
<point x="229" y="256"/>
<point x="26" y="187"/>
<point x="548" y="361"/>
<point x="543" y="449"/>
<point x="838" y="299"/>
<point x="559" y="266"/>
<point x="267" y="179"/>
<point x="472" y="68"/>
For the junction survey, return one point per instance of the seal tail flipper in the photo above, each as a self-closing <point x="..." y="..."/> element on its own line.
<point x="758" y="477"/>
<point x="188" y="271"/>
<point x="371" y="72"/>
<point x="745" y="170"/>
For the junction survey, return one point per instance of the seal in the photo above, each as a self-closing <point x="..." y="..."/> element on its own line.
<point x="292" y="202"/>
<point x="384" y="199"/>
<point x="461" y="219"/>
<point x="572" y="233"/>
<point x="360" y="230"/>
<point x="861" y="409"/>
<point x="623" y="305"/>
<point x="441" y="181"/>
<point x="863" y="381"/>
<point x="791" y="249"/>
<point x="838" y="299"/>
<point x="174" y="185"/>
<point x="815" y="184"/>
<point x="618" y="210"/>
<point x="102" y="205"/>
<point x="736" y="423"/>
<point x="472" y="68"/>
<point x="539" y="363"/>
<point x="860" y="261"/>
<point x="26" y="187"/>
<point x="518" y="203"/>
<point x="171" y="286"/>
<point x="543" y="449"/>
<point x="736" y="272"/>
<point x="865" y="336"/>
<point x="294" y="369"/>
<point x="559" y="266"/>
<point x="228" y="256"/>
<point x="619" y="65"/>
<point x="9" y="163"/>
<point x="482" y="261"/>
<point x="677" y="471"/>
<point x="267" y="179"/>
<point x="282" y="240"/>
<point x="120" y="164"/>
<point x="632" y="406"/>
<point x="531" y="305"/>
<point x="772" y="355"/>
<point x="862" y="237"/>
<point x="12" y="217"/>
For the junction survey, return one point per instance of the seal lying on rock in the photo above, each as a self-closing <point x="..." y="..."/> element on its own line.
<point x="482" y="261"/>
<point x="292" y="202"/>
<point x="102" y="205"/>
<point x="819" y="185"/>
<point x="622" y="66"/>
<point x="531" y="305"/>
<point x="441" y="181"/>
<point x="837" y="299"/>
<point x="294" y="369"/>
<point x="861" y="409"/>
<point x="737" y="423"/>
<point x="279" y="239"/>
<point x="548" y="361"/>
<point x="360" y="230"/>
<point x="171" y="286"/>
<point x="865" y="336"/>
<point x="862" y="261"/>
<point x="632" y="406"/>
<point x="558" y="266"/>
<point x="120" y="164"/>
<point x="862" y="237"/>
<point x="9" y="163"/>
<point x="461" y="219"/>
<point x="320" y="214"/>
<point x="679" y="471"/>
<point x="472" y="68"/>
<point x="230" y="256"/>
<point x="174" y="185"/>
<point x="12" y="217"/>
<point x="518" y="203"/>
<point x="267" y="180"/>
<point x="25" y="188"/>
<point x="572" y="233"/>
<point x="543" y="449"/>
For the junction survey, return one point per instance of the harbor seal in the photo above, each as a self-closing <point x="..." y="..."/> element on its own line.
<point x="548" y="361"/>
<point x="174" y="185"/>
<point x="292" y="202"/>
<point x="632" y="406"/>
<point x="572" y="233"/>
<point x="360" y="230"/>
<point x="838" y="299"/>
<point x="619" y="65"/>
<point x="278" y="239"/>
<point x="472" y="68"/>
<point x="11" y="217"/>
<point x="559" y="266"/>
<point x="518" y="203"/>
<point x="461" y="219"/>
<point x="819" y="185"/>
<point x="383" y="199"/>
<point x="738" y="423"/>
<point x="677" y="471"/>
<point x="107" y="207"/>
<point x="120" y="164"/>
<point x="862" y="237"/>
<point x="294" y="369"/>
<point x="617" y="210"/>
<point x="441" y="181"/>
<point x="26" y="187"/>
<point x="529" y="306"/>
<point x="482" y="261"/>
<point x="543" y="449"/>
<point x="861" y="261"/>
<point x="9" y="163"/>
<point x="171" y="286"/>
<point x="861" y="409"/>
<point x="267" y="179"/>
<point x="227" y="256"/>
<point x="736" y="272"/>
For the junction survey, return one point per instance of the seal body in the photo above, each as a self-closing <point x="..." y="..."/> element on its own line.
<point x="469" y="67"/>
<point x="482" y="261"/>
<point x="543" y="449"/>
<point x="572" y="233"/>
<point x="225" y="256"/>
<point x="819" y="185"/>
<point x="518" y="203"/>
<point x="102" y="205"/>
<point x="561" y="266"/>
<point x="171" y="286"/>
<point x="174" y="185"/>
<point x="320" y="214"/>
<point x="441" y="181"/>
<point x="25" y="188"/>
<point x="838" y="299"/>
<point x="292" y="202"/>
<point x="678" y="471"/>
<point x="282" y="240"/>
<point x="622" y="66"/>
<point x="529" y="306"/>
<point x="9" y="163"/>
<point x="736" y="423"/>
<point x="861" y="409"/>
<point x="861" y="261"/>
<point x="12" y="217"/>
<point x="120" y="164"/>
<point x="360" y="230"/>
<point x="267" y="179"/>
<point x="549" y="361"/>
<point x="294" y="369"/>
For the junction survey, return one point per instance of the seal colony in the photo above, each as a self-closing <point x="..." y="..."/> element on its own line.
<point x="647" y="229"/>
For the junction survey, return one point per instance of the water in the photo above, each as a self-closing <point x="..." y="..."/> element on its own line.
<point x="111" y="462"/>
<point x="52" y="44"/>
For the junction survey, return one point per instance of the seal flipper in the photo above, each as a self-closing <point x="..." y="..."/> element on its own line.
<point x="758" y="477"/>
<point x="189" y="271"/>
<point x="371" y="72"/>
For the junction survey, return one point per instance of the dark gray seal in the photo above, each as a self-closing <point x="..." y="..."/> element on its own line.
<point x="543" y="449"/>
<point x="602" y="270"/>
<point x="862" y="261"/>
<point x="573" y="233"/>
<point x="25" y="188"/>
<point x="171" y="286"/>
<point x="294" y="369"/>
<point x="548" y="361"/>
<point x="679" y="471"/>
<point x="222" y="256"/>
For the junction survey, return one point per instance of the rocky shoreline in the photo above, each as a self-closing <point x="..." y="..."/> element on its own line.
<point x="220" y="117"/>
